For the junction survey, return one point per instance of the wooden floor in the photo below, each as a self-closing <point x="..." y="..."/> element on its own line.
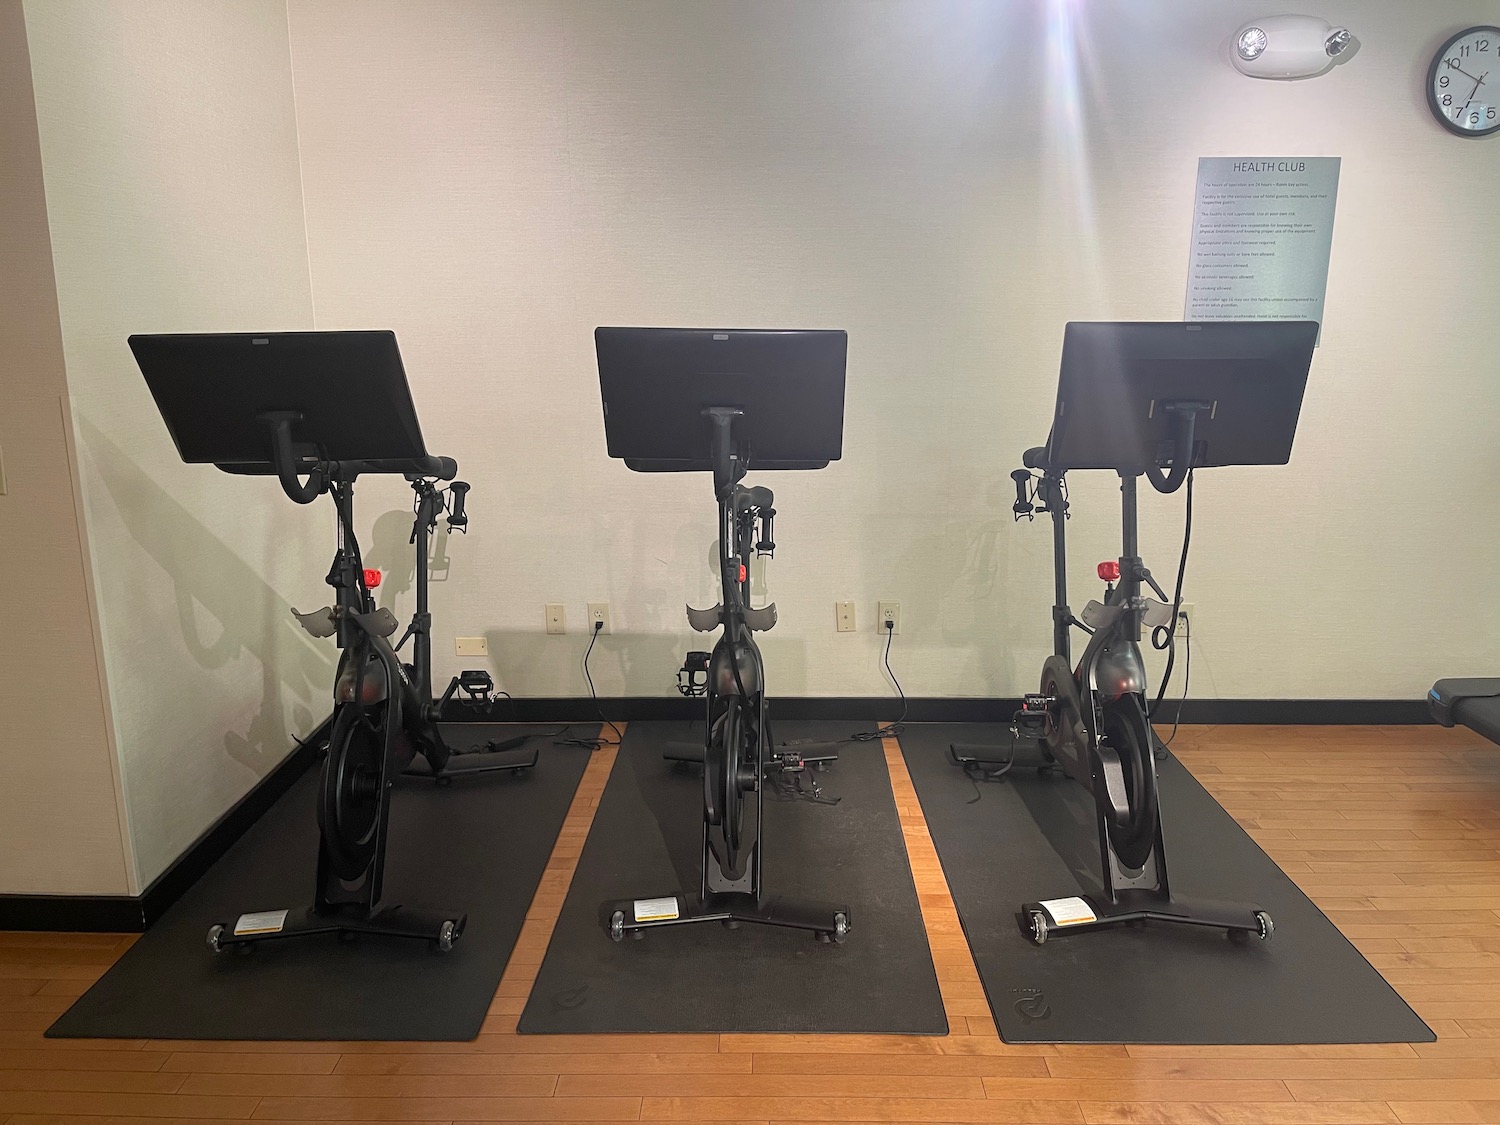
<point x="1394" y="832"/>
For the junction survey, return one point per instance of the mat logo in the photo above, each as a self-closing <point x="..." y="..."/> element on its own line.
<point x="570" y="999"/>
<point x="1031" y="1005"/>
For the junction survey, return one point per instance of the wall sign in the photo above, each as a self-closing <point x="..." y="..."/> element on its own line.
<point x="1262" y="232"/>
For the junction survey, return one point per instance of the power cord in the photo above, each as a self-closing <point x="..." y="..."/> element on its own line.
<point x="891" y="729"/>
<point x="600" y="742"/>
<point x="1165" y="636"/>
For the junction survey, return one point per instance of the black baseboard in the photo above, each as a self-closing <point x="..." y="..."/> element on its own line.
<point x="1269" y="712"/>
<point x="132" y="914"/>
<point x="127" y="914"/>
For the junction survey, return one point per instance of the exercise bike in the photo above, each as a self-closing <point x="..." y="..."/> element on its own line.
<point x="1156" y="401"/>
<point x="226" y="399"/>
<point x="738" y="751"/>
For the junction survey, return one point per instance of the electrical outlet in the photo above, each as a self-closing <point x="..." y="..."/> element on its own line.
<point x="888" y="612"/>
<point x="557" y="618"/>
<point x="599" y="614"/>
<point x="471" y="646"/>
<point x="1188" y="611"/>
<point x="844" y="616"/>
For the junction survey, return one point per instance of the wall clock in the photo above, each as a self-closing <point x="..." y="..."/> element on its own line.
<point x="1463" y="83"/>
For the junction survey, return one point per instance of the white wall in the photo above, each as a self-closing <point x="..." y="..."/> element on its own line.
<point x="169" y="147"/>
<point x="950" y="182"/>
<point x="60" y="823"/>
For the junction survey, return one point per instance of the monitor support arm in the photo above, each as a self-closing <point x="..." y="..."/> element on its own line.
<point x="285" y="459"/>
<point x="1183" y="417"/>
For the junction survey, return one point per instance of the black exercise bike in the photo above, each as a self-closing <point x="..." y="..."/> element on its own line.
<point x="738" y="748"/>
<point x="1094" y="721"/>
<point x="384" y="719"/>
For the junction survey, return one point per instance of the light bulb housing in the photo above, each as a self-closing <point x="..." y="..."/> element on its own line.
<point x="1288" y="46"/>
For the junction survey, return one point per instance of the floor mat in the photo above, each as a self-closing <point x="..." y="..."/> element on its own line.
<point x="1029" y="837"/>
<point x="479" y="845"/>
<point x="646" y="840"/>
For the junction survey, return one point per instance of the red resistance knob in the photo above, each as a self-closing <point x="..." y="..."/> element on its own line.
<point x="372" y="578"/>
<point x="1109" y="571"/>
<point x="742" y="572"/>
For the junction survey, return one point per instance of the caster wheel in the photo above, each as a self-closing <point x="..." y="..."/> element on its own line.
<point x="840" y="927"/>
<point x="214" y="933"/>
<point x="638" y="935"/>
<point x="617" y="926"/>
<point x="731" y="923"/>
<point x="1037" y="922"/>
<point x="447" y="935"/>
<point x="1267" y="927"/>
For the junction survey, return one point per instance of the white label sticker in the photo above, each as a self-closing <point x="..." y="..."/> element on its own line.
<point x="1068" y="911"/>
<point x="263" y="922"/>
<point x="655" y="909"/>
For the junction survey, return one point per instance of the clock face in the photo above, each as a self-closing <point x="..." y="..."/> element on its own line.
<point x="1463" y="86"/>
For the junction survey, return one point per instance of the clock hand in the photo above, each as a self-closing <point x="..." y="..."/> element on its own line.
<point x="1466" y="74"/>
<point x="1478" y="82"/>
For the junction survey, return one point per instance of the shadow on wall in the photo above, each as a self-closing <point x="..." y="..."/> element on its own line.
<point x="208" y="575"/>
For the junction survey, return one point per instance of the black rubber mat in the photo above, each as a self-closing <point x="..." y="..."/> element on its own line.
<point x="646" y="841"/>
<point x="1028" y="837"/>
<point x="479" y="845"/>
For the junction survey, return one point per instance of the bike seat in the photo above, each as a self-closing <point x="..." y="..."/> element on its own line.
<point x="381" y="623"/>
<point x="705" y="620"/>
<point x="757" y="497"/>
<point x="761" y="619"/>
<point x="1096" y="615"/>
<point x="319" y="622"/>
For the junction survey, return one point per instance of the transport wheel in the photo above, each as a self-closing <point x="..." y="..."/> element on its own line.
<point x="1037" y="927"/>
<point x="214" y="932"/>
<point x="840" y="927"/>
<point x="349" y="799"/>
<point x="617" y="926"/>
<point x="1267" y="927"/>
<point x="447" y="935"/>
<point x="1129" y="781"/>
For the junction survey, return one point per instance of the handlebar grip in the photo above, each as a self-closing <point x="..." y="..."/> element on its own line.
<point x="1023" y="505"/>
<point x="457" y="519"/>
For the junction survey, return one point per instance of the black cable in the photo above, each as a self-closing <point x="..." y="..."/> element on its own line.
<point x="600" y="742"/>
<point x="1165" y="636"/>
<point x="891" y="729"/>
<point x="1187" y="676"/>
<point x="977" y="773"/>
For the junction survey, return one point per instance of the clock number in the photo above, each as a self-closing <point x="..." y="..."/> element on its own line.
<point x="1463" y="51"/>
<point x="1482" y="45"/>
<point x="1443" y="81"/>
<point x="1473" y="119"/>
<point x="1452" y="63"/>
<point x="1489" y="114"/>
<point x="1447" y="99"/>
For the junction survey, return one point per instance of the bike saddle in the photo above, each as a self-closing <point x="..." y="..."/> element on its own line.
<point x="1096" y="615"/>
<point x="705" y="620"/>
<point x="758" y="497"/>
<point x="381" y="623"/>
<point x="319" y="622"/>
